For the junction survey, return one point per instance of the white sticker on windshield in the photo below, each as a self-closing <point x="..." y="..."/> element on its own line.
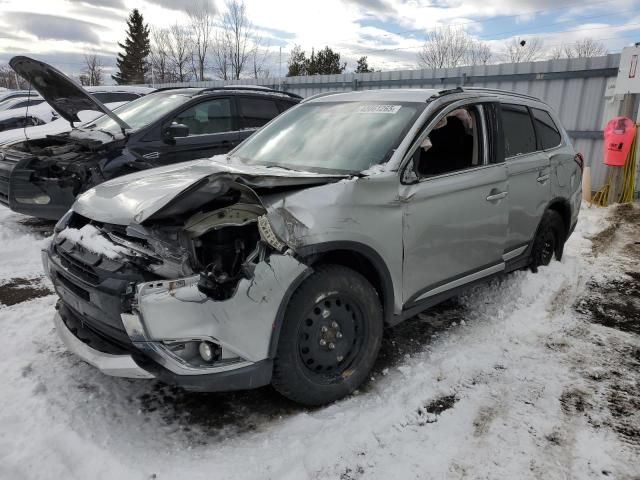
<point x="379" y="109"/>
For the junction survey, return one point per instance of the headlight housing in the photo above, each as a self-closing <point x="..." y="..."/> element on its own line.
<point x="63" y="222"/>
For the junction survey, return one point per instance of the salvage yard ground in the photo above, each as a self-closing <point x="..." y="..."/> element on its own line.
<point x="530" y="376"/>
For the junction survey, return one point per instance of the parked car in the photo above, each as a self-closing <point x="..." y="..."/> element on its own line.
<point x="20" y="102"/>
<point x="7" y="94"/>
<point x="37" y="115"/>
<point x="42" y="177"/>
<point x="26" y="117"/>
<point x="282" y="261"/>
<point x="55" y="127"/>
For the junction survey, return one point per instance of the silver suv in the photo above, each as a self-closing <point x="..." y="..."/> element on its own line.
<point x="282" y="261"/>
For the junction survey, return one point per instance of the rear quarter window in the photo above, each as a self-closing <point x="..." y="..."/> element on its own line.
<point x="519" y="134"/>
<point x="548" y="133"/>
<point x="255" y="112"/>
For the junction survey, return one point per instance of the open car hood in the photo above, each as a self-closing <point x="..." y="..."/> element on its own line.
<point x="137" y="197"/>
<point x="63" y="94"/>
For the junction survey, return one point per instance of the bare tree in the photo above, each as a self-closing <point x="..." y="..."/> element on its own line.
<point x="180" y="52"/>
<point x="9" y="79"/>
<point x="586" y="47"/>
<point x="478" y="53"/>
<point x="221" y="56"/>
<point x="201" y="15"/>
<point x="160" y="64"/>
<point x="444" y="48"/>
<point x="520" y="50"/>
<point x="557" y="52"/>
<point x="93" y="70"/>
<point x="237" y="33"/>
<point x="259" y="57"/>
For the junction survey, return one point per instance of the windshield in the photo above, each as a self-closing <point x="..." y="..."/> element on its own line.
<point x="140" y="112"/>
<point x="331" y="136"/>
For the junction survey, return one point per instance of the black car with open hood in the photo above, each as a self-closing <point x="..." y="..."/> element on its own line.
<point x="42" y="177"/>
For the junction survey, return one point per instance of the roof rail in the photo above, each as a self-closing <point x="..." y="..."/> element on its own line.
<point x="251" y="88"/>
<point x="168" y="88"/>
<point x="502" y="92"/>
<point x="318" y="95"/>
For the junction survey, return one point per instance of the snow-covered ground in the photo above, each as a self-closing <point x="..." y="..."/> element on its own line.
<point x="530" y="376"/>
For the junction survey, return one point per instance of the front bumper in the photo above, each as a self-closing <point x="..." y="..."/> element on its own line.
<point x="45" y="199"/>
<point x="111" y="360"/>
<point x="157" y="313"/>
<point x="108" y="363"/>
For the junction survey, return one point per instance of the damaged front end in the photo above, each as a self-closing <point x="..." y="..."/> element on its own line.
<point x="43" y="177"/>
<point x="193" y="293"/>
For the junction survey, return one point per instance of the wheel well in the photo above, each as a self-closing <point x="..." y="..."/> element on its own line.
<point x="365" y="267"/>
<point x="563" y="209"/>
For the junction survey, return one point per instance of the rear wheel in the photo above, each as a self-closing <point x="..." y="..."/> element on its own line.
<point x="330" y="337"/>
<point x="549" y="241"/>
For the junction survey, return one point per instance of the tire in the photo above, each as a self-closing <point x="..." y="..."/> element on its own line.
<point x="330" y="337"/>
<point x="549" y="241"/>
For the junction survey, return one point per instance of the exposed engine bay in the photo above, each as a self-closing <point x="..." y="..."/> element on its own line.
<point x="68" y="161"/>
<point x="221" y="240"/>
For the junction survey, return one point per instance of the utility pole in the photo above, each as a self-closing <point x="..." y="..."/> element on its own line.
<point x="280" y="68"/>
<point x="17" y="81"/>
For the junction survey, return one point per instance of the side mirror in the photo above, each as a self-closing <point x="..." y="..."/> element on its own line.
<point x="177" y="130"/>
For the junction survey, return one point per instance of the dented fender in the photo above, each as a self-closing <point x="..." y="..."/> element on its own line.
<point x="243" y="324"/>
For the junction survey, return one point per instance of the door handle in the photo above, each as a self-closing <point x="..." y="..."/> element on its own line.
<point x="497" y="196"/>
<point x="543" y="178"/>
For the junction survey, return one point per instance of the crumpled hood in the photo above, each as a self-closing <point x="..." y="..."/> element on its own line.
<point x="136" y="197"/>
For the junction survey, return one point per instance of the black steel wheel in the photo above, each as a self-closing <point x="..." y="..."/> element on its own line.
<point x="330" y="337"/>
<point x="549" y="241"/>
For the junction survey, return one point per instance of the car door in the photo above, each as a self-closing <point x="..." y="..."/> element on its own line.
<point x="455" y="222"/>
<point x="528" y="176"/>
<point x="256" y="111"/>
<point x="213" y="130"/>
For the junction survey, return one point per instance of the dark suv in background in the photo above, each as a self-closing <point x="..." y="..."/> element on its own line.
<point x="42" y="177"/>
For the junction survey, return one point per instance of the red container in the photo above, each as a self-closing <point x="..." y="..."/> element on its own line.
<point x="618" y="137"/>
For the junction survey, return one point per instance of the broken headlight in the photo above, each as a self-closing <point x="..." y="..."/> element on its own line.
<point x="63" y="222"/>
<point x="267" y="234"/>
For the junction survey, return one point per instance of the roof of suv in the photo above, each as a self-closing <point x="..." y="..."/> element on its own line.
<point x="411" y="94"/>
<point x="229" y="89"/>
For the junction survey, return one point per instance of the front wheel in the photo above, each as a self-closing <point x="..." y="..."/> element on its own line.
<point x="330" y="337"/>
<point x="549" y="240"/>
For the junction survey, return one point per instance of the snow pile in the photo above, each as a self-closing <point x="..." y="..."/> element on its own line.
<point x="90" y="238"/>
<point x="494" y="389"/>
<point x="374" y="169"/>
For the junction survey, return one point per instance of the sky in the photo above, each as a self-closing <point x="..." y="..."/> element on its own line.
<point x="388" y="32"/>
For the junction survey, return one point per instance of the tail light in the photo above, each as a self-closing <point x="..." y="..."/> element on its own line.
<point x="579" y="159"/>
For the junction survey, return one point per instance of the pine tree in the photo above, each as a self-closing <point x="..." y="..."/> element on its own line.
<point x="363" y="66"/>
<point x="132" y="63"/>
<point x="323" y="62"/>
<point x="297" y="62"/>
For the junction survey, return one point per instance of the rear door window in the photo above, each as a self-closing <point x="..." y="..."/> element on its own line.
<point x="255" y="112"/>
<point x="546" y="129"/>
<point x="519" y="134"/>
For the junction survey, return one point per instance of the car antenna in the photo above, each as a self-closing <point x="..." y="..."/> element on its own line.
<point x="26" y="116"/>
